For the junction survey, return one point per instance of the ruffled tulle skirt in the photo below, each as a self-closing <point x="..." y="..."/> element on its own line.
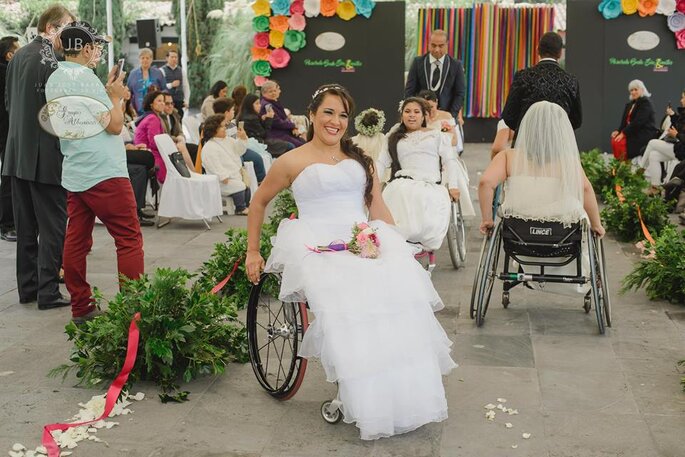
<point x="374" y="328"/>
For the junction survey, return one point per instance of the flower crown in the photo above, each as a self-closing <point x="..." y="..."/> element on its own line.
<point x="369" y="130"/>
<point x="325" y="89"/>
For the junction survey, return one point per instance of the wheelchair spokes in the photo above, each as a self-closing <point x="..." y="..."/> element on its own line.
<point x="456" y="236"/>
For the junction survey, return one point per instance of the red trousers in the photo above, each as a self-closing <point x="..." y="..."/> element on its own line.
<point x="112" y="201"/>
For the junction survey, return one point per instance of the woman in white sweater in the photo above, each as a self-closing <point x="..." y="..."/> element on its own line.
<point x="221" y="157"/>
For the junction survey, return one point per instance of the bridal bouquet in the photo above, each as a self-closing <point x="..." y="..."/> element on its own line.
<point x="364" y="243"/>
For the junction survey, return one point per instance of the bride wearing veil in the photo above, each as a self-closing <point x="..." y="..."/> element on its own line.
<point x="543" y="178"/>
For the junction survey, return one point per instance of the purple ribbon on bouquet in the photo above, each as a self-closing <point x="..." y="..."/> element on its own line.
<point x="334" y="246"/>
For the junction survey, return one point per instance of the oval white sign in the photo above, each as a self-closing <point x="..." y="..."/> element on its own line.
<point x="74" y="117"/>
<point x="643" y="40"/>
<point x="330" y="41"/>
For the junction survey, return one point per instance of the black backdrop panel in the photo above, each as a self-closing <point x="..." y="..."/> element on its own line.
<point x="374" y="75"/>
<point x="598" y="53"/>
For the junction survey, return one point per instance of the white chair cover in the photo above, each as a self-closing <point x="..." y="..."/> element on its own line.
<point x="194" y="198"/>
<point x="249" y="168"/>
<point x="191" y="129"/>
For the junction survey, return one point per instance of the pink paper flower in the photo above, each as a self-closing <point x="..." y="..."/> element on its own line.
<point x="680" y="39"/>
<point x="297" y="22"/>
<point x="297" y="7"/>
<point x="261" y="40"/>
<point x="279" y="58"/>
<point x="260" y="80"/>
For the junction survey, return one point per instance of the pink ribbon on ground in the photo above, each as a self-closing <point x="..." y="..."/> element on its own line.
<point x="112" y="393"/>
<point x="222" y="284"/>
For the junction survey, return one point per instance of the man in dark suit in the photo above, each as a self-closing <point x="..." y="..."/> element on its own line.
<point x="33" y="161"/>
<point x="545" y="81"/>
<point x="8" y="46"/>
<point x="440" y="73"/>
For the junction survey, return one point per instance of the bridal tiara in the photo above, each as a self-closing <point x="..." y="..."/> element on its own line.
<point x="325" y="89"/>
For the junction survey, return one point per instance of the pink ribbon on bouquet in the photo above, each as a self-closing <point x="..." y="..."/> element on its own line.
<point x="112" y="393"/>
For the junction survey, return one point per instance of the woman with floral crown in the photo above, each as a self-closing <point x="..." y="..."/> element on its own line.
<point x="374" y="329"/>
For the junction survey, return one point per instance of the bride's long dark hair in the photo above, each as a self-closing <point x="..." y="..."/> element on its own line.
<point x="346" y="145"/>
<point x="401" y="133"/>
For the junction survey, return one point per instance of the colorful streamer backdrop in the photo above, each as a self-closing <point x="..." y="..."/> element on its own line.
<point x="493" y="42"/>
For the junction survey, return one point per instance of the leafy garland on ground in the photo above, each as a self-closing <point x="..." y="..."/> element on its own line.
<point x="186" y="331"/>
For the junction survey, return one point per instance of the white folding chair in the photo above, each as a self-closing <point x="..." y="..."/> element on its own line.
<point x="191" y="129"/>
<point x="249" y="168"/>
<point x="194" y="198"/>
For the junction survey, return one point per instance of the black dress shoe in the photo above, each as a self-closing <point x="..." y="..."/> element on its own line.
<point x="146" y="222"/>
<point x="9" y="235"/>
<point x="59" y="303"/>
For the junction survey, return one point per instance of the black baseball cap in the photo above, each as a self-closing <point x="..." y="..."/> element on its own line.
<point x="77" y="34"/>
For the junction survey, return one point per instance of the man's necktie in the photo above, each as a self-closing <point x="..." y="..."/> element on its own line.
<point x="435" y="79"/>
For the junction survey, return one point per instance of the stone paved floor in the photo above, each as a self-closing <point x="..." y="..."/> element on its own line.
<point x="579" y="394"/>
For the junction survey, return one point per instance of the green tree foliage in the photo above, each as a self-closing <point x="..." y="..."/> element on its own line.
<point x="95" y="13"/>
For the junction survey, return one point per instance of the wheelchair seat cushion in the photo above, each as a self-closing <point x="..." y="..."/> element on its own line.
<point x="541" y="239"/>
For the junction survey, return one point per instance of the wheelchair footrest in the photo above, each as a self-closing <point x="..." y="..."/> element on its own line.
<point x="523" y="277"/>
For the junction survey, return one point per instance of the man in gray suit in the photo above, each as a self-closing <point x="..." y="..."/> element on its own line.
<point x="33" y="161"/>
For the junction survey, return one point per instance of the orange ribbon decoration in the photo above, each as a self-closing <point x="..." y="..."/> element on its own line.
<point x="645" y="230"/>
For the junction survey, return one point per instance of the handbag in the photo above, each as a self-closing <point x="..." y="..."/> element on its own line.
<point x="619" y="147"/>
<point x="180" y="164"/>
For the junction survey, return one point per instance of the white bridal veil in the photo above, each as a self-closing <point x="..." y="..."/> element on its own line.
<point x="546" y="178"/>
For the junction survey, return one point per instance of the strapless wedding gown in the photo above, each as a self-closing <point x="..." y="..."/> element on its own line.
<point x="374" y="328"/>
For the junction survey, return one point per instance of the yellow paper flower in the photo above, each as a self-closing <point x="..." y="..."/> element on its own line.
<point x="276" y="39"/>
<point x="629" y="6"/>
<point x="346" y="10"/>
<point x="261" y="8"/>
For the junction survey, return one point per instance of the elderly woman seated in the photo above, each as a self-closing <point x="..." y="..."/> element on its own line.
<point x="221" y="157"/>
<point x="542" y="176"/>
<point x="282" y="126"/>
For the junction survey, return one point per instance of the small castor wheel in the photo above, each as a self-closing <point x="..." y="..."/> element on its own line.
<point x="505" y="299"/>
<point x="330" y="414"/>
<point x="586" y="305"/>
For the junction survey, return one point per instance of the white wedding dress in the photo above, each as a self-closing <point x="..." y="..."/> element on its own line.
<point x="374" y="329"/>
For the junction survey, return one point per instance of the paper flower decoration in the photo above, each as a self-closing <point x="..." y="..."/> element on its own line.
<point x="261" y="40"/>
<point x="364" y="7"/>
<point x="260" y="23"/>
<point x="647" y="7"/>
<point x="676" y="22"/>
<point x="312" y="8"/>
<point x="297" y="7"/>
<point x="328" y="7"/>
<point x="680" y="39"/>
<point x="297" y="22"/>
<point x="629" y="6"/>
<point x="261" y="68"/>
<point x="260" y="54"/>
<point x="279" y="58"/>
<point x="666" y="7"/>
<point x="276" y="39"/>
<point x="346" y="10"/>
<point x="279" y="23"/>
<point x="294" y="40"/>
<point x="260" y="80"/>
<point x="261" y="8"/>
<point x="610" y="9"/>
<point x="680" y="6"/>
<point x="280" y="7"/>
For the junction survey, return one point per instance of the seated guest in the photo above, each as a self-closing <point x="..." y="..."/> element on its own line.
<point x="257" y="126"/>
<point x="144" y="79"/>
<point x="238" y="95"/>
<point x="221" y="157"/>
<point x="219" y="89"/>
<point x="638" y="122"/>
<point x="172" y="125"/>
<point x="226" y="107"/>
<point x="282" y="128"/>
<point x="671" y="147"/>
<point x="149" y="125"/>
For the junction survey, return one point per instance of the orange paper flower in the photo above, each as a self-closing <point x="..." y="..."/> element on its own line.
<point x="261" y="8"/>
<point x="260" y="53"/>
<point x="276" y="39"/>
<point x="629" y="6"/>
<point x="278" y="23"/>
<point x="346" y="10"/>
<point x="647" y="7"/>
<point x="329" y="7"/>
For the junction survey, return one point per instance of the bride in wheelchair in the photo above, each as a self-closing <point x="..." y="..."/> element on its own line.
<point x="417" y="201"/>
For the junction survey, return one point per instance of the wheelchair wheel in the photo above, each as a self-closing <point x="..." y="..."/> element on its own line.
<point x="604" y="281"/>
<point x="330" y="415"/>
<point x="476" y="279"/>
<point x="275" y="330"/>
<point x="596" y="281"/>
<point x="456" y="237"/>
<point x="489" y="273"/>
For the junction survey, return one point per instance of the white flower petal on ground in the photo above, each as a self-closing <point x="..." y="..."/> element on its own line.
<point x="501" y="407"/>
<point x="513" y="412"/>
<point x="65" y="454"/>
<point x="138" y="397"/>
<point x="490" y="415"/>
<point x="501" y="400"/>
<point x="525" y="435"/>
<point x="508" y="425"/>
<point x="16" y="454"/>
<point x="489" y="406"/>
<point x="6" y="373"/>
<point x="16" y="447"/>
<point x="30" y="454"/>
<point x="478" y="346"/>
<point x="41" y="450"/>
<point x="514" y="446"/>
